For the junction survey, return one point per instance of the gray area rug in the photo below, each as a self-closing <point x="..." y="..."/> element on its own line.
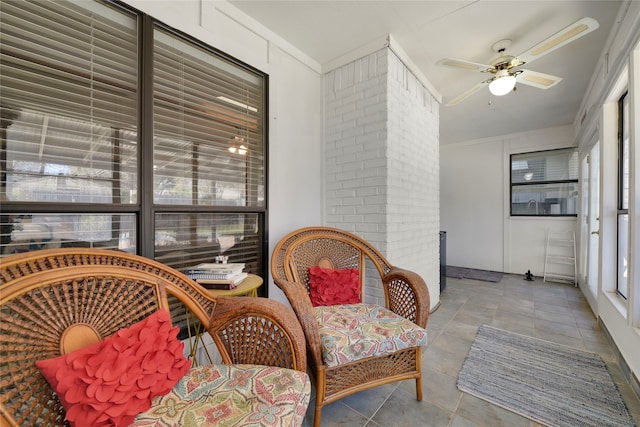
<point x="472" y="273"/>
<point x="546" y="382"/>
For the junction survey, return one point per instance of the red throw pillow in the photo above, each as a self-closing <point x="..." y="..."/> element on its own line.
<point x="332" y="287"/>
<point x="112" y="381"/>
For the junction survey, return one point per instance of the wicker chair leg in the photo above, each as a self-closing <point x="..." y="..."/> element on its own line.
<point x="419" y="378"/>
<point x="320" y="397"/>
<point x="317" y="415"/>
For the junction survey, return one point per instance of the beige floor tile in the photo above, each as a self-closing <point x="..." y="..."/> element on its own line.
<point x="486" y="414"/>
<point x="552" y="316"/>
<point x="401" y="410"/>
<point x="437" y="388"/>
<point x="555" y="328"/>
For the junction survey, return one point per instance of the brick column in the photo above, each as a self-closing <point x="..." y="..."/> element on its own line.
<point x="382" y="161"/>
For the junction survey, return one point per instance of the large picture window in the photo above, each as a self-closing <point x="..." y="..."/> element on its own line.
<point x="170" y="164"/>
<point x="545" y="183"/>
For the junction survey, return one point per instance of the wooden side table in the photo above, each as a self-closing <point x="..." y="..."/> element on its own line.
<point x="249" y="286"/>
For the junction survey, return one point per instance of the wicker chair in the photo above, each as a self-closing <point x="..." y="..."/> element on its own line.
<point x="405" y="293"/>
<point x="54" y="300"/>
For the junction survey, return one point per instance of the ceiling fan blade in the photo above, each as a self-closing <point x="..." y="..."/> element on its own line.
<point x="458" y="99"/>
<point x="573" y="32"/>
<point x="537" y="79"/>
<point x="460" y="63"/>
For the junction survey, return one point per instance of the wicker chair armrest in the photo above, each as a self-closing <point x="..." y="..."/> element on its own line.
<point x="298" y="297"/>
<point x="407" y="295"/>
<point x="258" y="331"/>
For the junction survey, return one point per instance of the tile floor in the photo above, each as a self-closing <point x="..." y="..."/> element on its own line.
<point x="551" y="311"/>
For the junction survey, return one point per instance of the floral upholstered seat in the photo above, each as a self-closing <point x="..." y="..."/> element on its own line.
<point x="226" y="395"/>
<point x="356" y="331"/>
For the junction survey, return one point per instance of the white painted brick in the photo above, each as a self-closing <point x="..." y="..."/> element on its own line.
<point x="353" y="149"/>
<point x="353" y="219"/>
<point x="353" y="202"/>
<point x="364" y="227"/>
<point x="376" y="107"/>
<point x="352" y="183"/>
<point x="378" y="219"/>
<point x="374" y="206"/>
<point x="345" y="159"/>
<point x="343" y="142"/>
<point x="347" y="176"/>
<point x="333" y="185"/>
<point x="344" y="193"/>
<point x="382" y="162"/>
<point x="366" y="173"/>
<point x="367" y="191"/>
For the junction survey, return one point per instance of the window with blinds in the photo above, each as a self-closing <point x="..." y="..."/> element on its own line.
<point x="545" y="183"/>
<point x="208" y="147"/>
<point x="69" y="96"/>
<point x="622" y="283"/>
<point x="208" y="152"/>
<point x="74" y="155"/>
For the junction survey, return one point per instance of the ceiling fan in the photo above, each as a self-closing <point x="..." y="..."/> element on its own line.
<point x="505" y="68"/>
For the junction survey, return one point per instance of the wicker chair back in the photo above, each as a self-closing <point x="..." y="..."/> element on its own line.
<point x="56" y="300"/>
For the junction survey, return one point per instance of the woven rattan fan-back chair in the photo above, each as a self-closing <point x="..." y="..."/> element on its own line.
<point x="405" y="292"/>
<point x="56" y="300"/>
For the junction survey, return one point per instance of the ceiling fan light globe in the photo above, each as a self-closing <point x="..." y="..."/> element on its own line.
<point x="502" y="85"/>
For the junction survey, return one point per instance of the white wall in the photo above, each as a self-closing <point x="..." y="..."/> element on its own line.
<point x="475" y="203"/>
<point x="295" y="115"/>
<point x="295" y="151"/>
<point x="471" y="203"/>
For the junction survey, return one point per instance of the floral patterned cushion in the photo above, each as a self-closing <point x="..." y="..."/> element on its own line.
<point x="356" y="331"/>
<point x="232" y="395"/>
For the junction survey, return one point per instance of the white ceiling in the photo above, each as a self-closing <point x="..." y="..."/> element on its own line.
<point x="430" y="30"/>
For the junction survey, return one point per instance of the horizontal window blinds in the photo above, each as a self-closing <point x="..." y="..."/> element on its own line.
<point x="555" y="165"/>
<point x="69" y="101"/>
<point x="208" y="128"/>
<point x="186" y="240"/>
<point x="545" y="183"/>
<point x="60" y="58"/>
<point x="28" y="231"/>
<point x="624" y="153"/>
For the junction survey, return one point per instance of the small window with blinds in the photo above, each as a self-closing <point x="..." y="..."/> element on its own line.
<point x="545" y="183"/>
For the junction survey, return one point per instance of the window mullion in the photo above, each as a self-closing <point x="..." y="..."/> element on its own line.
<point x="145" y="137"/>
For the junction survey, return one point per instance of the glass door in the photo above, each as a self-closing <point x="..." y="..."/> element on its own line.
<point x="593" y="221"/>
